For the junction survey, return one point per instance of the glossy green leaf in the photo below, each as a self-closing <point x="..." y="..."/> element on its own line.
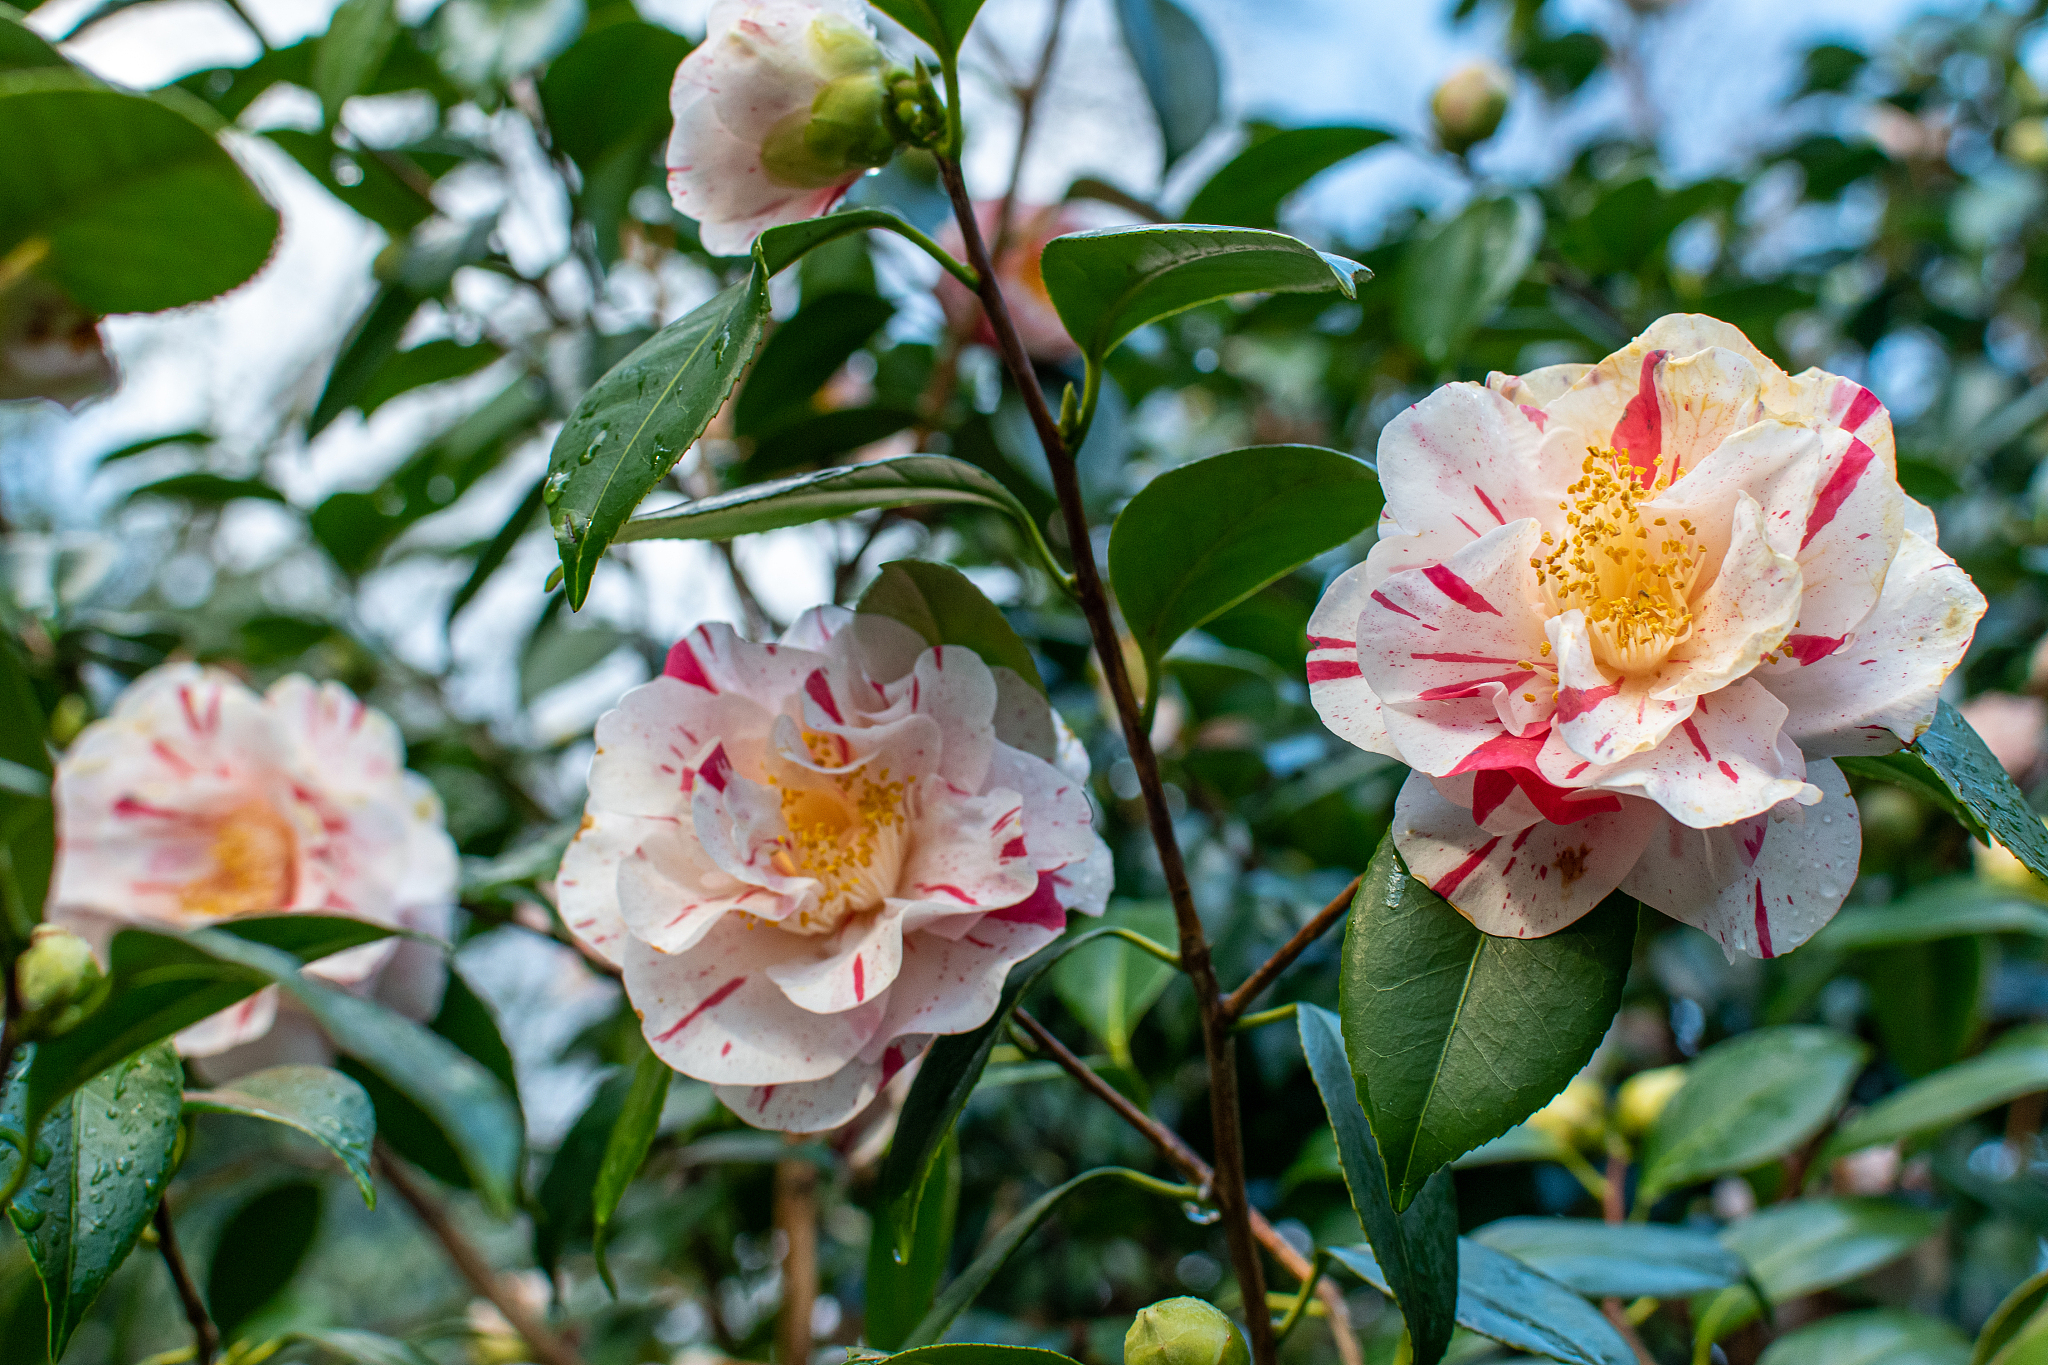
<point x="638" y="420"/>
<point x="1456" y="1036"/>
<point x="321" y="1103"/>
<point x="2009" y="1323"/>
<point x="1204" y="536"/>
<point x="942" y="23"/>
<point x="1950" y="766"/>
<point x="997" y="1249"/>
<point x="357" y="41"/>
<point x="1251" y="186"/>
<point x="781" y="247"/>
<point x="801" y="355"/>
<point x="1500" y="1298"/>
<point x="898" y="1290"/>
<point x="1877" y="1336"/>
<point x="21" y="47"/>
<point x="110" y="1146"/>
<point x="1457" y="273"/>
<point x="1107" y="284"/>
<point x="1949" y="908"/>
<point x="2016" y="1065"/>
<point x="561" y="651"/>
<point x="606" y="100"/>
<point x="258" y="1250"/>
<point x="208" y="490"/>
<point x="1813" y="1244"/>
<point x="1746" y="1101"/>
<point x="370" y="345"/>
<point x="1617" y="1260"/>
<point x="430" y="362"/>
<point x="28" y="822"/>
<point x="1110" y="985"/>
<point x="820" y="439"/>
<point x="626" y="1151"/>
<point x="1178" y="65"/>
<point x="360" y="1348"/>
<point x="899" y="481"/>
<point x="562" y="1206"/>
<point x="142" y="209"/>
<point x="1417" y="1246"/>
<point x="945" y="608"/>
<point x="1933" y="995"/>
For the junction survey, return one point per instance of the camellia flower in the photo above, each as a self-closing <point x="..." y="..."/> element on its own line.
<point x="810" y="857"/>
<point x="1038" y="322"/>
<point x="197" y="801"/>
<point x="1618" y="620"/>
<point x="778" y="112"/>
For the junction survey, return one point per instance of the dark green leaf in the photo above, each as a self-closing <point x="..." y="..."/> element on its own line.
<point x="1814" y="1244"/>
<point x="1501" y="1298"/>
<point x="357" y="41"/>
<point x="1108" y="284"/>
<point x="1877" y="1336"/>
<point x="324" y="1105"/>
<point x="942" y="23"/>
<point x="1110" y="985"/>
<point x="22" y="47"/>
<point x="208" y="490"/>
<point x="2016" y="1065"/>
<point x="1747" y="1101"/>
<point x="781" y="247"/>
<point x="610" y="90"/>
<point x="143" y="210"/>
<point x="1949" y="908"/>
<point x="1932" y="994"/>
<point x="28" y="822"/>
<point x="467" y="1020"/>
<point x="945" y="608"/>
<point x="1617" y="1260"/>
<point x="899" y="481"/>
<point x="1456" y="274"/>
<point x="1455" y="1036"/>
<point x="1418" y="1245"/>
<point x="563" y="1203"/>
<point x="371" y="345"/>
<point x="560" y="652"/>
<point x="149" y="443"/>
<point x="999" y="1247"/>
<point x="640" y="418"/>
<point x="801" y="355"/>
<point x="1249" y="189"/>
<point x="626" y="1151"/>
<point x="110" y="1147"/>
<point x="430" y="362"/>
<point x="897" y="1291"/>
<point x="1179" y="68"/>
<point x="1960" y="761"/>
<point x="1204" y="536"/>
<point x="260" y="1248"/>
<point x="2020" y="1310"/>
<point x="820" y="438"/>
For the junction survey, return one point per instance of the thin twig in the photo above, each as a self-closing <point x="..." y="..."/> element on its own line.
<point x="548" y="1348"/>
<point x="1199" y="1173"/>
<point x="205" y="1337"/>
<point x="759" y="624"/>
<point x="1218" y="1046"/>
<point x="1238" y="1000"/>
<point x="796" y="1217"/>
<point x="1613" y="1200"/>
<point x="1027" y="120"/>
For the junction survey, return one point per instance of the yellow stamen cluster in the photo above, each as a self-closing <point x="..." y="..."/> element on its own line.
<point x="254" y="866"/>
<point x="841" y="826"/>
<point x="1629" y="573"/>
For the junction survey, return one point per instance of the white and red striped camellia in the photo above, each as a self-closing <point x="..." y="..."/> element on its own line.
<point x="197" y="800"/>
<point x="810" y="857"/>
<point x="1618" y="620"/>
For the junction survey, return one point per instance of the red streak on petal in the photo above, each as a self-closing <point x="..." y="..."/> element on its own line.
<point x="1388" y="603"/>
<point x="1536" y="415"/>
<point x="683" y="666"/>
<point x="1463" y="659"/>
<point x="1763" y="923"/>
<point x="953" y="891"/>
<point x="1458" y="590"/>
<point x="1041" y="907"/>
<point x="1330" y="642"/>
<point x="1839" y="486"/>
<point x="711" y="1001"/>
<point x="1451" y="880"/>
<point x="716" y="768"/>
<point x="1640" y="431"/>
<point x="1573" y="702"/>
<point x="1576" y="770"/>
<point x="1860" y="407"/>
<point x="1490" y="787"/>
<point x="1330" y="670"/>
<point x="1466" y="524"/>
<point x="1728" y="772"/>
<point x="1489" y="504"/>
<point x="1451" y="691"/>
<point x="1522" y="838"/>
<point x="128" y="808"/>
<point x="1557" y="804"/>
<point x="1015" y="848"/>
<point x="860" y="985"/>
<point x="1692" y="732"/>
<point x="1811" y="649"/>
<point x="892" y="1062"/>
<point x="1502" y="751"/>
<point x="820" y="691"/>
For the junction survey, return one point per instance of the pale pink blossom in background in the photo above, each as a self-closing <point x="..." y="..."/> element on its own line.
<point x="810" y="857"/>
<point x="1038" y="322"/>
<point x="197" y="800"/>
<point x="1619" y="619"/>
<point x="749" y="89"/>
<point x="2010" y="727"/>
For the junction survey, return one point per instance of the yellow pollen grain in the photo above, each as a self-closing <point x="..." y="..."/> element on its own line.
<point x="1632" y="587"/>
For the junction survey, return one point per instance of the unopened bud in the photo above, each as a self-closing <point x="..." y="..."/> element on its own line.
<point x="1642" y="1098"/>
<point x="1470" y="104"/>
<point x="1576" y="1118"/>
<point x="2026" y="142"/>
<point x="1184" y="1331"/>
<point x="56" y="982"/>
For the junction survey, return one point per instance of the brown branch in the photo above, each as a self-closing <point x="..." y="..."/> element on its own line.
<point x="1239" y="1000"/>
<point x="1613" y="1209"/>
<point x="796" y="1217"/>
<point x="1218" y="1046"/>
<point x="1198" y="1173"/>
<point x="548" y="1348"/>
<point x="205" y="1336"/>
<point x="1027" y="120"/>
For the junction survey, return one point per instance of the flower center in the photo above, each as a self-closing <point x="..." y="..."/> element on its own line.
<point x="847" y="831"/>
<point x="254" y="866"/>
<point x="1629" y="570"/>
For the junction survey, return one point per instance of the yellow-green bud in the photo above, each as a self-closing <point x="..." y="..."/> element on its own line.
<point x="1642" y="1098"/>
<point x="1184" y="1331"/>
<point x="56" y="982"/>
<point x="2027" y="142"/>
<point x="1576" y="1118"/>
<point x="1470" y="104"/>
<point x="843" y="131"/>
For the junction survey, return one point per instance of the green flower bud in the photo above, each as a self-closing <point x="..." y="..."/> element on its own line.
<point x="1184" y="1331"/>
<point x="56" y="982"/>
<point x="1642" y="1098"/>
<point x="1470" y="104"/>
<point x="844" y="131"/>
<point x="1577" y="1117"/>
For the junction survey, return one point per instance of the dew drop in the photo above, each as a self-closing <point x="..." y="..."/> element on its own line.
<point x="42" y="1154"/>
<point x="28" y="1220"/>
<point x="551" y="490"/>
<point x="1202" y="1215"/>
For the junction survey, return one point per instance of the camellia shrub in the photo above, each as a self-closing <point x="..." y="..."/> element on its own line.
<point x="1463" y="797"/>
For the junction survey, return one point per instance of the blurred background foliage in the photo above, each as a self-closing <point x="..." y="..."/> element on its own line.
<point x="1894" y="232"/>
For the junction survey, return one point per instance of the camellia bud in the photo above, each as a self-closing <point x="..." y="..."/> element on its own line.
<point x="1642" y="1098"/>
<point x="1470" y="104"/>
<point x="1576" y="1118"/>
<point x="56" y="982"/>
<point x="846" y="128"/>
<point x="1184" y="1331"/>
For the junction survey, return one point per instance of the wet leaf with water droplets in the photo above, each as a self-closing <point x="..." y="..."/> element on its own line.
<point x="324" y="1105"/>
